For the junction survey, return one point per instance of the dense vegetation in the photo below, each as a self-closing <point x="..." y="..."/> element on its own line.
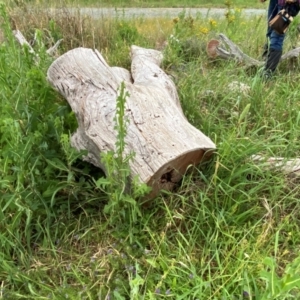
<point x="144" y="3"/>
<point x="230" y="230"/>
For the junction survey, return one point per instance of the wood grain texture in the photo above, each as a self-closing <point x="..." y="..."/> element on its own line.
<point x="164" y="142"/>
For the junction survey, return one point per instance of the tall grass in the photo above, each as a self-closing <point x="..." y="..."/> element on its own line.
<point x="230" y="229"/>
<point x="142" y="3"/>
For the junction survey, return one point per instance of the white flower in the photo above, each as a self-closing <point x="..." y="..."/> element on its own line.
<point x="239" y="87"/>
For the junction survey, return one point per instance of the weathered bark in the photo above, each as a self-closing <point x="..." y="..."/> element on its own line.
<point x="164" y="142"/>
<point x="226" y="49"/>
<point x="234" y="52"/>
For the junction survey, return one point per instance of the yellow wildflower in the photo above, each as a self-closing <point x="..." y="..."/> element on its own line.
<point x="203" y="30"/>
<point x="212" y="22"/>
<point x="231" y="18"/>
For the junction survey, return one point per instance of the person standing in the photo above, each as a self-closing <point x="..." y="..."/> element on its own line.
<point x="273" y="48"/>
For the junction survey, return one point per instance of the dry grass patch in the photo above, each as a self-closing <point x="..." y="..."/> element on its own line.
<point x="76" y="29"/>
<point x="155" y="30"/>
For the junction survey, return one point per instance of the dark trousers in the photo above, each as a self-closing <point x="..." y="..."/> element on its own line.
<point x="276" y="40"/>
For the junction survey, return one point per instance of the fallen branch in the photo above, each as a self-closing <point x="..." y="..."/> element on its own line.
<point x="291" y="54"/>
<point x="22" y="41"/>
<point x="52" y="50"/>
<point x="290" y="166"/>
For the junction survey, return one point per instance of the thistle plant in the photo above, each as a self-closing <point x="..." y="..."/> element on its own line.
<point x="123" y="192"/>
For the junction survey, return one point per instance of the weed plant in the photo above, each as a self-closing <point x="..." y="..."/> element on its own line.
<point x="230" y="229"/>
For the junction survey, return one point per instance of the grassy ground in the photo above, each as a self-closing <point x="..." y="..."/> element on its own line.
<point x="230" y="230"/>
<point x="147" y="3"/>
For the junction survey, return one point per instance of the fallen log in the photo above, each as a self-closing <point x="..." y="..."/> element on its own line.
<point x="224" y="48"/>
<point x="164" y="142"/>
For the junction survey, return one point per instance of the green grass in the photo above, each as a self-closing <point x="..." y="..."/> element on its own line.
<point x="230" y="229"/>
<point x="147" y="3"/>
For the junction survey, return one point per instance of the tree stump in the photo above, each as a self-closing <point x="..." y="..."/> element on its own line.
<point x="164" y="142"/>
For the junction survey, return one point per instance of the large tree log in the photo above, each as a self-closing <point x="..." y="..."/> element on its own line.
<point x="164" y="142"/>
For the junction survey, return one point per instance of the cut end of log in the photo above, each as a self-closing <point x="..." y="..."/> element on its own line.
<point x="211" y="48"/>
<point x="171" y="173"/>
